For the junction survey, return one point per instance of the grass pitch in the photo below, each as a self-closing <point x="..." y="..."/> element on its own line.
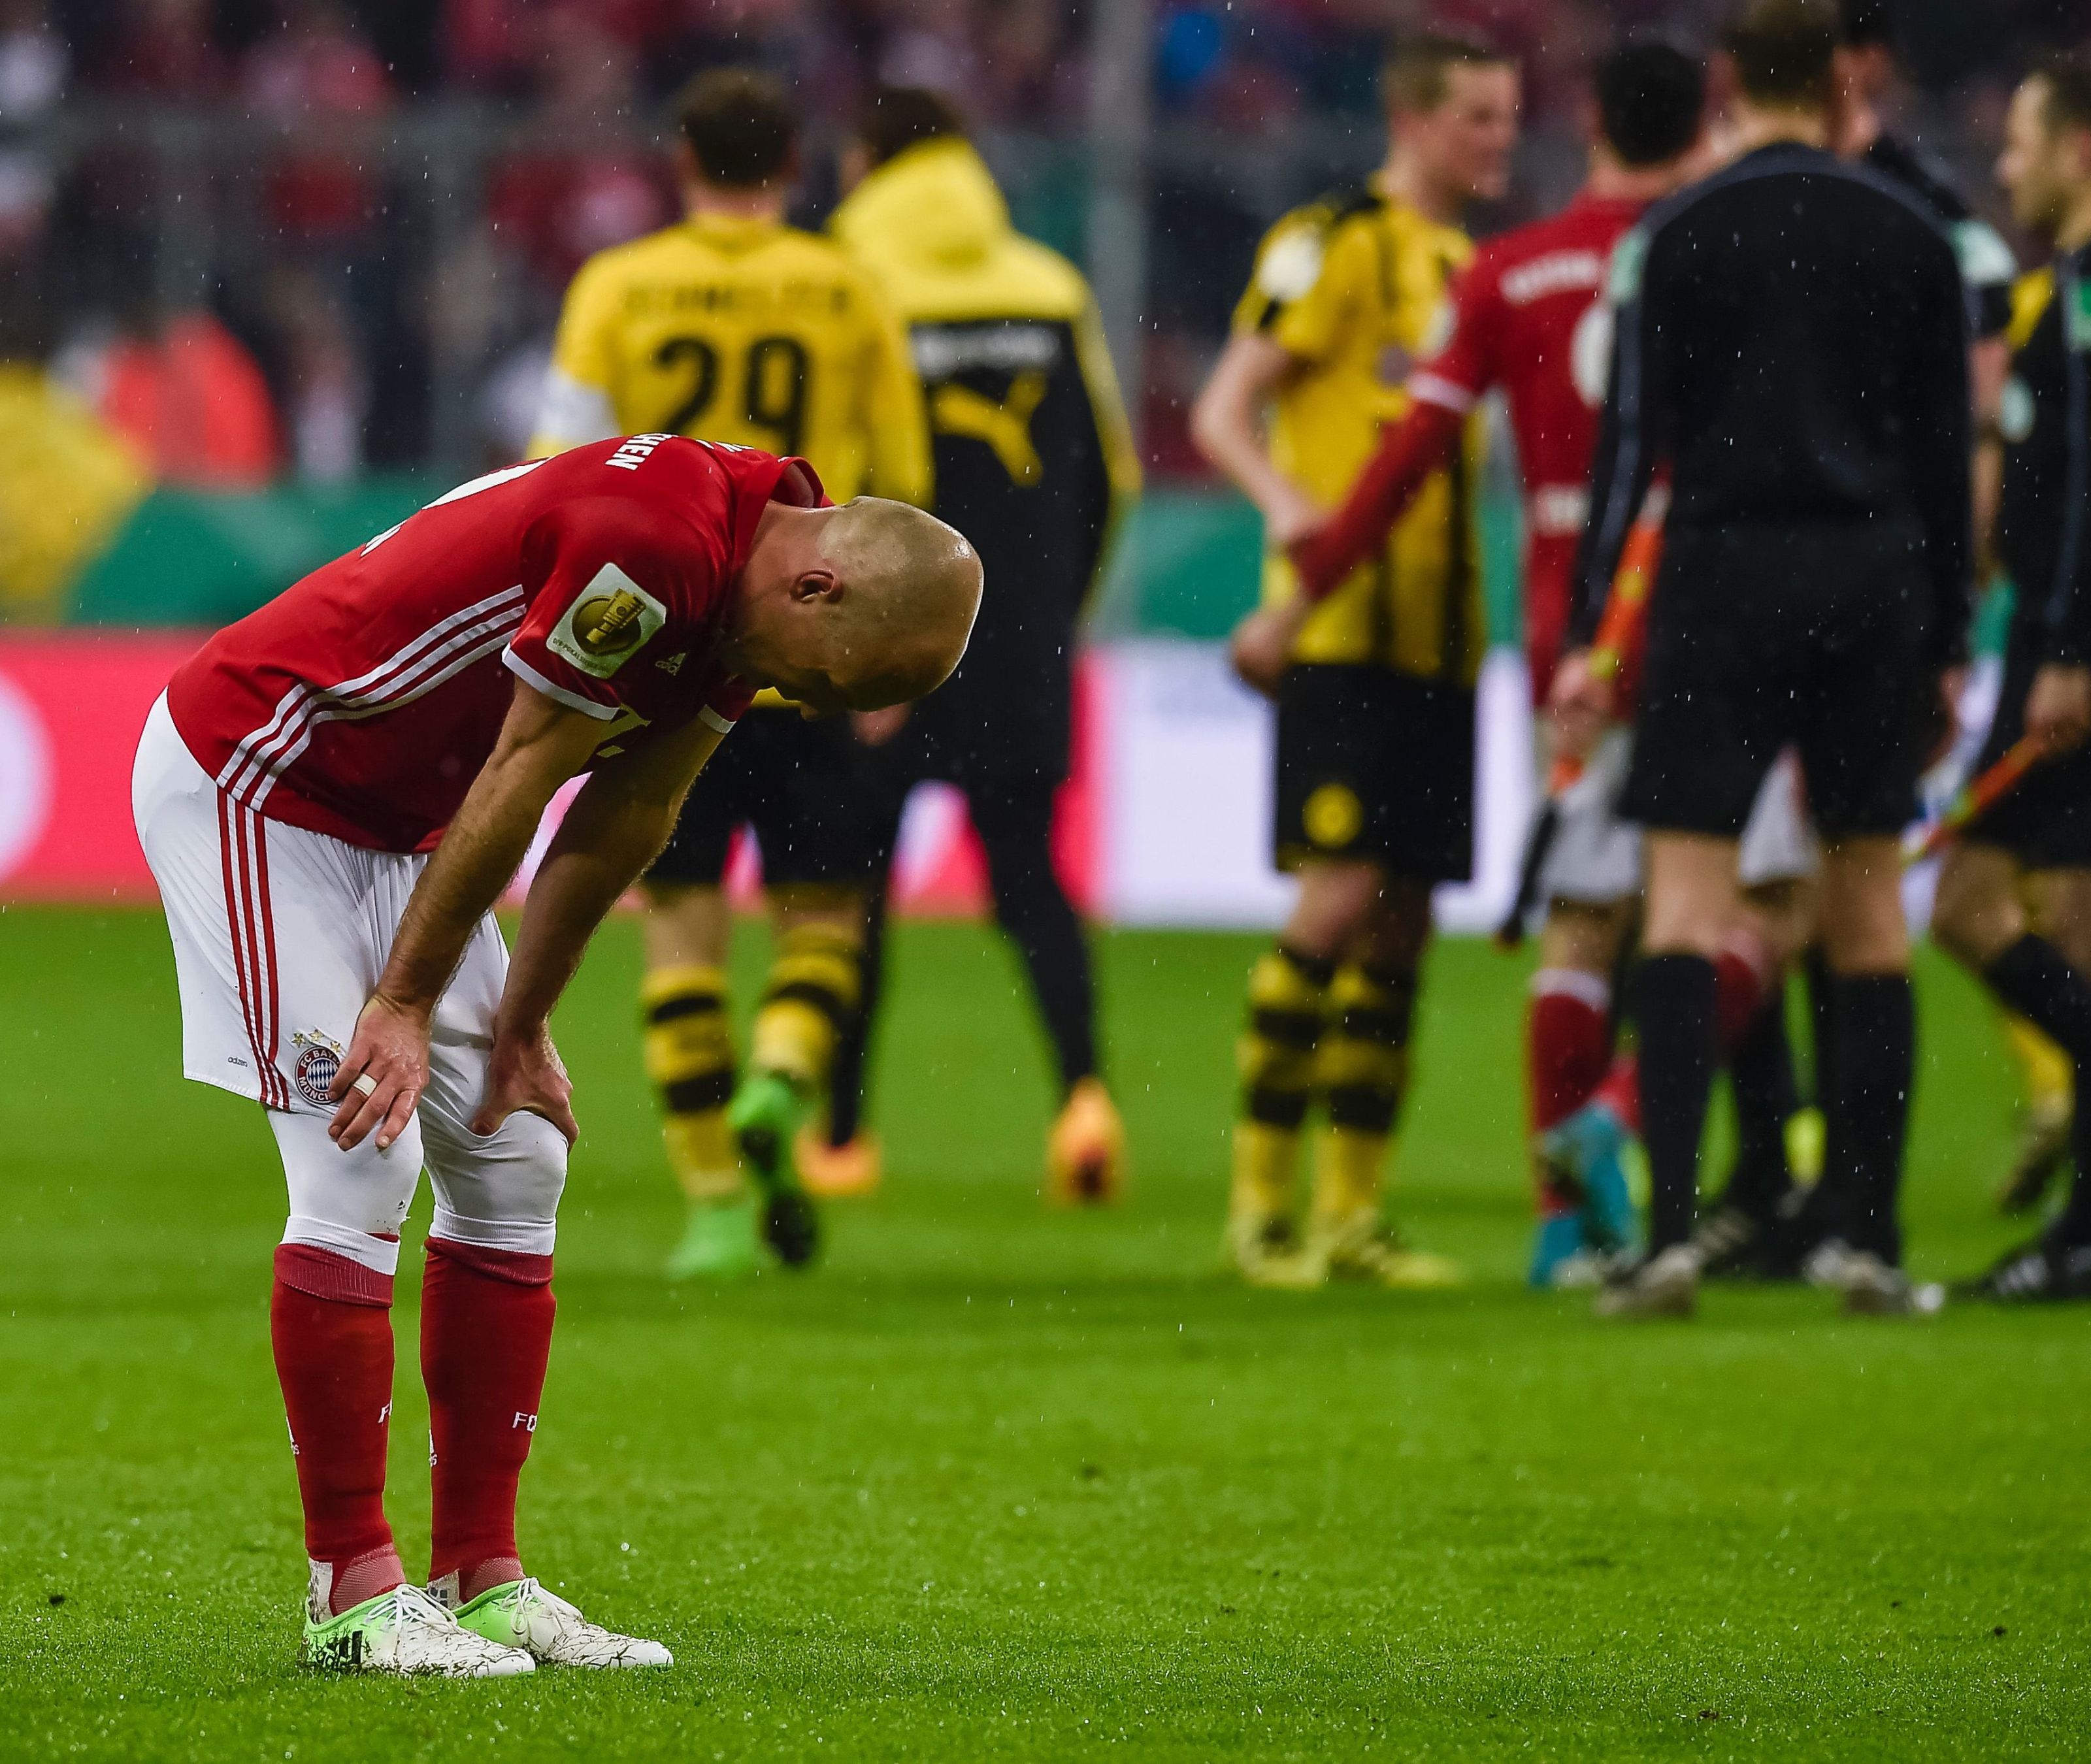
<point x="1001" y="1484"/>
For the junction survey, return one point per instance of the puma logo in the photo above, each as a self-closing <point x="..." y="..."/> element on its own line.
<point x="1005" y="427"/>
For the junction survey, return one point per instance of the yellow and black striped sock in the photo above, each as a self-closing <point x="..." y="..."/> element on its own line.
<point x="815" y="981"/>
<point x="2049" y="1076"/>
<point x="688" y="1043"/>
<point x="1287" y="1004"/>
<point x="1362" y="1068"/>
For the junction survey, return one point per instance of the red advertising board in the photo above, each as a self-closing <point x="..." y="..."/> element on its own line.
<point x="71" y="704"/>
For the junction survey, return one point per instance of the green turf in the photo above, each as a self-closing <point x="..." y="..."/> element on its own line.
<point x="1001" y="1484"/>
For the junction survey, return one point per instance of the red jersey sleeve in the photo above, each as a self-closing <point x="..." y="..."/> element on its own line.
<point x="621" y="598"/>
<point x="1458" y="375"/>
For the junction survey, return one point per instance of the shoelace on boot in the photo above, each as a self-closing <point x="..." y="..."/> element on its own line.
<point x="531" y="1590"/>
<point x="410" y="1605"/>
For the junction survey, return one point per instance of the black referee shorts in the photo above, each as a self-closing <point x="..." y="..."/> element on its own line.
<point x="2045" y="823"/>
<point x="1378" y="765"/>
<point x="1759" y="636"/>
<point x="796" y="783"/>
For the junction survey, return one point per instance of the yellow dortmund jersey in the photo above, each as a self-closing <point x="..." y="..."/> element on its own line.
<point x="746" y="331"/>
<point x="1353" y="288"/>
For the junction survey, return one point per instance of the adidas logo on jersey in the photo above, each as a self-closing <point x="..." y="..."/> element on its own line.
<point x="673" y="663"/>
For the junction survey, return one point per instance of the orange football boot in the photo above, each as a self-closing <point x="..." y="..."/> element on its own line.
<point x="839" y="1173"/>
<point x="1085" y="1152"/>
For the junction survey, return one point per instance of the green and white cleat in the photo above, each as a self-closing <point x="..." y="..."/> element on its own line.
<point x="722" y="1242"/>
<point x="406" y="1632"/>
<point x="765" y="1115"/>
<point x="522" y="1614"/>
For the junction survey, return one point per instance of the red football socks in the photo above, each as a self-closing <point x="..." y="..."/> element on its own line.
<point x="486" y="1334"/>
<point x="1744" y="973"/>
<point x="331" y="1324"/>
<point x="1620" y="1091"/>
<point x="1568" y="1042"/>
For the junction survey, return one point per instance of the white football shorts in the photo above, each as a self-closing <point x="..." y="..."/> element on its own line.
<point x="1596" y="860"/>
<point x="279" y="936"/>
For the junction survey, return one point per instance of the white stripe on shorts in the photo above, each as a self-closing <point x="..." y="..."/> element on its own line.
<point x="244" y="854"/>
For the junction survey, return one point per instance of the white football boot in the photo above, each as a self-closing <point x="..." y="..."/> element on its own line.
<point x="405" y="1631"/>
<point x="1872" y="1289"/>
<point x="1666" y="1284"/>
<point x="523" y="1613"/>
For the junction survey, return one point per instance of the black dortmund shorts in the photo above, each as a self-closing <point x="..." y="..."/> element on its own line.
<point x="1758" y="637"/>
<point x="795" y="783"/>
<point x="1375" y="765"/>
<point x="2045" y="823"/>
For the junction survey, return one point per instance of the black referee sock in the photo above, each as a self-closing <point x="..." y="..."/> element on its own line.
<point x="2036" y="979"/>
<point x="1674" y="1005"/>
<point x="1869" y="1118"/>
<point x="1830" y="1205"/>
<point x="1760" y="1070"/>
<point x="1822" y="1024"/>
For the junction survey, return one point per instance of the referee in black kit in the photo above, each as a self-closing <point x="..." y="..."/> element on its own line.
<point x="1792" y="348"/>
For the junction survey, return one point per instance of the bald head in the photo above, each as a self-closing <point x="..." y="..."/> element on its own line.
<point x="854" y="608"/>
<point x="911" y="590"/>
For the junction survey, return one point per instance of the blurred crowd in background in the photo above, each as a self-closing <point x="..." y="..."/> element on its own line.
<point x="318" y="238"/>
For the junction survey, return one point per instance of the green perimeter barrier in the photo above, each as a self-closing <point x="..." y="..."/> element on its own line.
<point x="1187" y="565"/>
<point x="186" y="558"/>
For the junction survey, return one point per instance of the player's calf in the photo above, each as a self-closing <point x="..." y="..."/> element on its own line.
<point x="1274" y="1057"/>
<point x="689" y="1057"/>
<point x="815" y="985"/>
<point x="1362" y="1070"/>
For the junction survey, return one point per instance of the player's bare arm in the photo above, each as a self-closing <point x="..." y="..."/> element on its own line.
<point x="542" y="745"/>
<point x="614" y="829"/>
<point x="1334" y="544"/>
<point x="1226" y="423"/>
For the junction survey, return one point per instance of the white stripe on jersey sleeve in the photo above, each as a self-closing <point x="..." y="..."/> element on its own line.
<point x="573" y="701"/>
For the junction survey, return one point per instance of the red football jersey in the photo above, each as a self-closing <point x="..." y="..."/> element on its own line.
<point x="362" y="701"/>
<point x="1529" y="314"/>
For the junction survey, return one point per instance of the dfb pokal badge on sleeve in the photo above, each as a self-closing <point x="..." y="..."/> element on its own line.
<point x="319" y="1060"/>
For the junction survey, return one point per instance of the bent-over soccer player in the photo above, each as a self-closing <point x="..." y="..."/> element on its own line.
<point x="333" y="793"/>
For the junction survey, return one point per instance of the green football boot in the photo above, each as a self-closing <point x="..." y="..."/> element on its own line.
<point x="405" y="1631"/>
<point x="522" y="1615"/>
<point x="765" y="1115"/>
<point x="722" y="1242"/>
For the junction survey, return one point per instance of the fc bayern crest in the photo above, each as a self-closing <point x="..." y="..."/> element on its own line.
<point x="319" y="1060"/>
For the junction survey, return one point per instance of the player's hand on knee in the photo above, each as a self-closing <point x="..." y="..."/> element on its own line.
<point x="1580" y="704"/>
<point x="2058" y="707"/>
<point x="1262" y="646"/>
<point x="526" y="1073"/>
<point x="382" y="1077"/>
